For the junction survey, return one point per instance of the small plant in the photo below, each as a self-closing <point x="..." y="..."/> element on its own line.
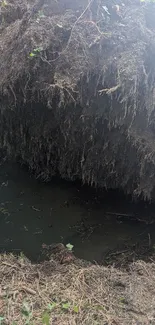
<point x="52" y="305"/>
<point x="26" y="313"/>
<point x="99" y="307"/>
<point x="3" y="3"/>
<point x="76" y="309"/>
<point x="66" y="306"/>
<point x="46" y="318"/>
<point x="1" y="320"/>
<point x="69" y="247"/>
<point x="123" y="300"/>
<point x="21" y="257"/>
<point x="32" y="54"/>
<point x="39" y="16"/>
<point x="35" y="51"/>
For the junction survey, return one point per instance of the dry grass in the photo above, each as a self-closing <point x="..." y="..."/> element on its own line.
<point x="78" y="293"/>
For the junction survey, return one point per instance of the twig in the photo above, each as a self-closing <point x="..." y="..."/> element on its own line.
<point x="120" y="214"/>
<point x="10" y="265"/>
<point x="109" y="91"/>
<point x="119" y="252"/>
<point x="149" y="239"/>
<point x="72" y="30"/>
<point x="63" y="89"/>
<point x="8" y="294"/>
<point x="13" y="293"/>
<point x="28" y="290"/>
<point x="35" y="209"/>
<point x="13" y="94"/>
<point x="77" y="22"/>
<point x="95" y="25"/>
<point x="134" y="217"/>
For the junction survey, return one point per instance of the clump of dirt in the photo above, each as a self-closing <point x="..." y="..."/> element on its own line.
<point x="59" y="252"/>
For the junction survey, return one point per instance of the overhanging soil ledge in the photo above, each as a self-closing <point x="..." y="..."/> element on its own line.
<point x="77" y="90"/>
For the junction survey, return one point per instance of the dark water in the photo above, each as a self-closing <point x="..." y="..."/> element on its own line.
<point x="32" y="213"/>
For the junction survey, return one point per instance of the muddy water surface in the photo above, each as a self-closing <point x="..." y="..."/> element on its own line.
<point x="32" y="213"/>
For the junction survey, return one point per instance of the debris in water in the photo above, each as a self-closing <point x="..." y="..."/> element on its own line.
<point x="4" y="184"/>
<point x="35" y="209"/>
<point x="38" y="231"/>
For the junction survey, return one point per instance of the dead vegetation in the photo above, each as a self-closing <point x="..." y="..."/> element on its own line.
<point x="78" y="293"/>
<point x="77" y="90"/>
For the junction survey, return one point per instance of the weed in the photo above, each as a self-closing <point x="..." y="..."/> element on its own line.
<point x="35" y="51"/>
<point x="32" y="54"/>
<point x="21" y="257"/>
<point x="46" y="318"/>
<point x="26" y="313"/>
<point x="99" y="307"/>
<point x="39" y="16"/>
<point x="69" y="247"/>
<point x="1" y="320"/>
<point x="123" y="300"/>
<point x="66" y="306"/>
<point x="3" y="3"/>
<point x="52" y="305"/>
<point x="76" y="309"/>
